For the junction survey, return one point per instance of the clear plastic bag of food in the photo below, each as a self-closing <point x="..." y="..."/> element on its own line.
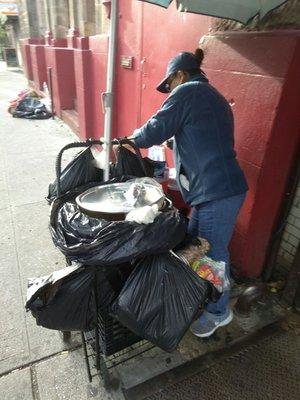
<point x="212" y="271"/>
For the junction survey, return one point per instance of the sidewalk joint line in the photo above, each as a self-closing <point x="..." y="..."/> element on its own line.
<point x="28" y="204"/>
<point x="34" y="383"/>
<point x="39" y="360"/>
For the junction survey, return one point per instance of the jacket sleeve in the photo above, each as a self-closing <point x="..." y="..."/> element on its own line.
<point x="165" y="123"/>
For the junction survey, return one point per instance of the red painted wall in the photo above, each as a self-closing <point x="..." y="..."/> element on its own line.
<point x="39" y="68"/>
<point x="180" y="32"/>
<point x="259" y="74"/>
<point x="152" y="35"/>
<point x="99" y="49"/>
<point x="61" y="60"/>
<point x="128" y="81"/>
<point x="84" y="87"/>
<point x="27" y="60"/>
<point x="135" y="96"/>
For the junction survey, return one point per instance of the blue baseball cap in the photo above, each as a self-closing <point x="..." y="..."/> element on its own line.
<point x="182" y="62"/>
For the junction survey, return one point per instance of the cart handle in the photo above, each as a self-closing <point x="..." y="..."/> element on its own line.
<point x="90" y="143"/>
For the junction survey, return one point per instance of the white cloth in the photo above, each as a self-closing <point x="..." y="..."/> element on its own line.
<point x="143" y="215"/>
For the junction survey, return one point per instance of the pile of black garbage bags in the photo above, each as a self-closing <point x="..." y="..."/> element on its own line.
<point x="131" y="267"/>
<point x="29" y="105"/>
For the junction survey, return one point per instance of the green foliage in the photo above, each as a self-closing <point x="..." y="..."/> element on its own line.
<point x="3" y="19"/>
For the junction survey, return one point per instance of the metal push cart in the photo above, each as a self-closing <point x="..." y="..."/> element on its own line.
<point x="110" y="343"/>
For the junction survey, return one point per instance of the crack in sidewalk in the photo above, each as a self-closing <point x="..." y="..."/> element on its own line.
<point x="39" y="360"/>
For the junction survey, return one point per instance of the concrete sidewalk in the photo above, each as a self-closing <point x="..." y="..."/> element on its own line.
<point x="34" y="362"/>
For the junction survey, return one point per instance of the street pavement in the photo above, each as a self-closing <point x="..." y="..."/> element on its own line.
<point x="34" y="362"/>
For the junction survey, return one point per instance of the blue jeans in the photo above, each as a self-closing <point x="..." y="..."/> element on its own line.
<point x="214" y="221"/>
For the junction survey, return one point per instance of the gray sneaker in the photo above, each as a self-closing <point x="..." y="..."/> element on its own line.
<point x="208" y="323"/>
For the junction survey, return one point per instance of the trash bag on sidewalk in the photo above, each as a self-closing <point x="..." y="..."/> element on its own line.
<point x="94" y="241"/>
<point x="31" y="108"/>
<point x="129" y="163"/>
<point x="161" y="298"/>
<point x="78" y="172"/>
<point x="64" y="300"/>
<point x="21" y="96"/>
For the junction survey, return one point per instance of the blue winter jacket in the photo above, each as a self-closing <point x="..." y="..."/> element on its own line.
<point x="201" y="121"/>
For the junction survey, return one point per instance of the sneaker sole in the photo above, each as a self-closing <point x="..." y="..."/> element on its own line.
<point x="223" y="323"/>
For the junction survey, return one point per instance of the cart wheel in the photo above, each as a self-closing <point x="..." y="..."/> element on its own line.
<point x="66" y="336"/>
<point x="104" y="373"/>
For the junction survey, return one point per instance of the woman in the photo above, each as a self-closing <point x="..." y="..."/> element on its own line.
<point x="208" y="174"/>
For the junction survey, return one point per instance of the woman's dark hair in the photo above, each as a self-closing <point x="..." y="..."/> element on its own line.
<point x="199" y="54"/>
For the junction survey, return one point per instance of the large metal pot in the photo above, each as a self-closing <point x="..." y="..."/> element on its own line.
<point x="110" y="201"/>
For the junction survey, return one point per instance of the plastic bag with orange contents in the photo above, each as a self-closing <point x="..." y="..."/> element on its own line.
<point x="212" y="271"/>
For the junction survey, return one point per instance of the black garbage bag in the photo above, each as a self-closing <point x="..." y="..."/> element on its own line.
<point x="31" y="108"/>
<point x="78" y="172"/>
<point x="65" y="299"/>
<point x="161" y="298"/>
<point x="129" y="163"/>
<point x="94" y="241"/>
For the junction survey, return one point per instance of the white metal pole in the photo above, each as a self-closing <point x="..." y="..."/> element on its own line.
<point x="108" y="97"/>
